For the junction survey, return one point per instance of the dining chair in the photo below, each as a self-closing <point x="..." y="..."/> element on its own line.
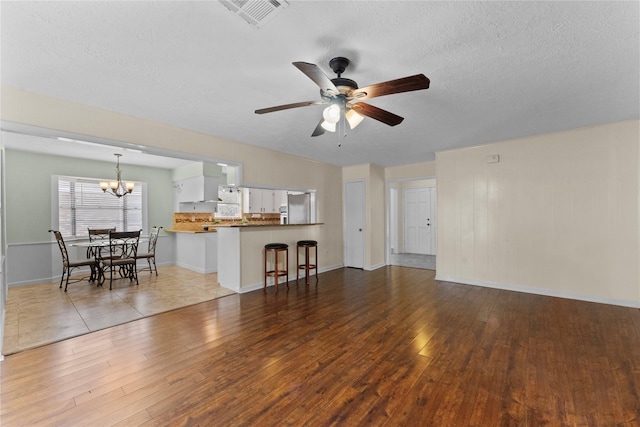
<point x="68" y="265"/>
<point x="97" y="234"/>
<point x="150" y="255"/>
<point x="123" y="248"/>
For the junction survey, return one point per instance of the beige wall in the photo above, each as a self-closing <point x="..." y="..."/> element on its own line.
<point x="557" y="215"/>
<point x="377" y="215"/>
<point x="260" y="166"/>
<point x="412" y="171"/>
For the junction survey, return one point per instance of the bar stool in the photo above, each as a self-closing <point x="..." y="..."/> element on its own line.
<point x="275" y="249"/>
<point x="307" y="244"/>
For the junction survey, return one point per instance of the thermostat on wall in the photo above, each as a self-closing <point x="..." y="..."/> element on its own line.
<point x="493" y="158"/>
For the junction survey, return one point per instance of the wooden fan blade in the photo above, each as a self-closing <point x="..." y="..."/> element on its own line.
<point x="318" y="76"/>
<point x="405" y="84"/>
<point x="319" y="129"/>
<point x="288" y="106"/>
<point x="379" y="114"/>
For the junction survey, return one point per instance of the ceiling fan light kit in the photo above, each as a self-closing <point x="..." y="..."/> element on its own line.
<point x="344" y="96"/>
<point x="353" y="118"/>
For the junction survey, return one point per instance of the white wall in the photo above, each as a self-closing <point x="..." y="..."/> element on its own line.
<point x="558" y="214"/>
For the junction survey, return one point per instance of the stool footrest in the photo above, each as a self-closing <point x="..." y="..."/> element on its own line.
<point x="306" y="264"/>
<point x="275" y="272"/>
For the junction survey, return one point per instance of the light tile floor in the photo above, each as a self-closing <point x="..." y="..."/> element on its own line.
<point x="427" y="262"/>
<point x="42" y="314"/>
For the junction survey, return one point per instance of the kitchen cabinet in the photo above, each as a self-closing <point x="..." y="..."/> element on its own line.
<point x="197" y="251"/>
<point x="261" y="200"/>
<point x="197" y="189"/>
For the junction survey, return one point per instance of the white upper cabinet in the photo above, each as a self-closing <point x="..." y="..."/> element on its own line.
<point x="261" y="200"/>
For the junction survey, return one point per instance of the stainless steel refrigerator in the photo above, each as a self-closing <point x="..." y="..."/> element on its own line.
<point x="299" y="208"/>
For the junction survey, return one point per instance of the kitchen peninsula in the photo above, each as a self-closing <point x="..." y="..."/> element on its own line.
<point x="197" y="241"/>
<point x="240" y="262"/>
<point x="222" y="228"/>
<point x="233" y="247"/>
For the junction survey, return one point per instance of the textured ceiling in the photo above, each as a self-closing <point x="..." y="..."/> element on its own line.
<point x="498" y="70"/>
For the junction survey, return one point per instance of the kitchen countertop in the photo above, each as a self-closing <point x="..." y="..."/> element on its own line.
<point x="213" y="229"/>
<point x="271" y="225"/>
<point x="173" y="230"/>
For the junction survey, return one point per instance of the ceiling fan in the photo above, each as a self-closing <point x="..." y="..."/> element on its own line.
<point x="344" y="97"/>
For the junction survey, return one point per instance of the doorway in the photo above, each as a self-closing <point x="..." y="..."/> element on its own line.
<point x="412" y="223"/>
<point x="418" y="206"/>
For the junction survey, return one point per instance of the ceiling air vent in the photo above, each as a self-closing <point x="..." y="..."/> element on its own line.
<point x="255" y="12"/>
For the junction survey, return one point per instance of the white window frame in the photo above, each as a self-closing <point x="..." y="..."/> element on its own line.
<point x="55" y="219"/>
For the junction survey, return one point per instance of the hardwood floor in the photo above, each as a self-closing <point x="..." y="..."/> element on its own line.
<point x="387" y="347"/>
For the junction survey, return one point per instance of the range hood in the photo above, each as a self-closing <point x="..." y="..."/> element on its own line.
<point x="195" y="184"/>
<point x="202" y="189"/>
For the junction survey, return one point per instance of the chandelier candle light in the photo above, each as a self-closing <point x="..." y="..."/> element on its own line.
<point x="117" y="188"/>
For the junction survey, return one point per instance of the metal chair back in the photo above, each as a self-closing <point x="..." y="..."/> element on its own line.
<point x="68" y="265"/>
<point x="97" y="234"/>
<point x="62" y="246"/>
<point x="153" y="239"/>
<point x="124" y="244"/>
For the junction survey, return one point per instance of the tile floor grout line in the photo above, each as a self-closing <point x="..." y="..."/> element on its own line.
<point x="178" y="288"/>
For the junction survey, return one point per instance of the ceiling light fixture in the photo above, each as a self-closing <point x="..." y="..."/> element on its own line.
<point x="345" y="97"/>
<point x="331" y="116"/>
<point x="117" y="188"/>
<point x="353" y="118"/>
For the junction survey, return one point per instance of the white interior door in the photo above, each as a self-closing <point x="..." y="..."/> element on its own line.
<point x="419" y="220"/>
<point x="354" y="224"/>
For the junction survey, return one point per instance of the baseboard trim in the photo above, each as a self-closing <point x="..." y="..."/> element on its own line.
<point x="375" y="267"/>
<point x="41" y="280"/>
<point x="75" y="272"/>
<point x="256" y="286"/>
<point x="538" y="291"/>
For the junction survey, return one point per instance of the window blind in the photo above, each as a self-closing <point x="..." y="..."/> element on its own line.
<point x="83" y="205"/>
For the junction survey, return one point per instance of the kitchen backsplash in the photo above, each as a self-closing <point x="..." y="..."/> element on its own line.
<point x="194" y="221"/>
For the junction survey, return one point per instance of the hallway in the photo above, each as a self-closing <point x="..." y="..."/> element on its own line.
<point x="427" y="262"/>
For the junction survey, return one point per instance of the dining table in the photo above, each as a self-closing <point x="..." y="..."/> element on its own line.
<point x="97" y="247"/>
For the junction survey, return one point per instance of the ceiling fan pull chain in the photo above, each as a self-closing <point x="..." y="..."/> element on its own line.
<point x="344" y="122"/>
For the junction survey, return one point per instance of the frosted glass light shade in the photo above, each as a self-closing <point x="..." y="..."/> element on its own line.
<point x="353" y="118"/>
<point x="331" y="127"/>
<point x="331" y="114"/>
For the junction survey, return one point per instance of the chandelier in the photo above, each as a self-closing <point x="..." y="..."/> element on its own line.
<point x="117" y="188"/>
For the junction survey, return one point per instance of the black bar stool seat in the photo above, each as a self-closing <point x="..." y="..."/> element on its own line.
<point x="307" y="265"/>
<point x="274" y="271"/>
